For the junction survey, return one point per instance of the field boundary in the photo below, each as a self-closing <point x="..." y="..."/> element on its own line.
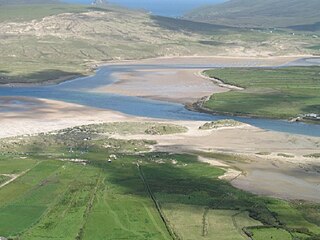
<point x="157" y="205"/>
<point x="89" y="208"/>
<point x="205" y="222"/>
<point x="13" y="177"/>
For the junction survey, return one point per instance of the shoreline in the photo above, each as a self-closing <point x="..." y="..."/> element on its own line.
<point x="220" y="82"/>
<point x="246" y="141"/>
<point x="94" y="66"/>
<point x="199" y="105"/>
<point x="51" y="82"/>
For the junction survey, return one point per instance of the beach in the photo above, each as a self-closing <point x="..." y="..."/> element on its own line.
<point x="280" y="157"/>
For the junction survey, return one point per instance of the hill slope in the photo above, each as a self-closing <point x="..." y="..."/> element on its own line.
<point x="22" y="2"/>
<point x="259" y="13"/>
<point x="46" y="42"/>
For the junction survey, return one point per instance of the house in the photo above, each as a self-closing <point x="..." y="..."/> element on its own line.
<point x="312" y="116"/>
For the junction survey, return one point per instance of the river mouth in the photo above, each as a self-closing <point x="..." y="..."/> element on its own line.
<point x="80" y="91"/>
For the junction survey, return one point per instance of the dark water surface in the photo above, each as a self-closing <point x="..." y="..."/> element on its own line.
<point x="78" y="91"/>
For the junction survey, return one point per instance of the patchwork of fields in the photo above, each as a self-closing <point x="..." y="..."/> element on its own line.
<point x="273" y="93"/>
<point x="66" y="188"/>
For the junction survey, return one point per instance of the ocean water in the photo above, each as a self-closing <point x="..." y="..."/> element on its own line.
<point x="170" y="8"/>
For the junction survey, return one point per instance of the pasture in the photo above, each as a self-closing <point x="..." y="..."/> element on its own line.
<point x="272" y="93"/>
<point x="68" y="189"/>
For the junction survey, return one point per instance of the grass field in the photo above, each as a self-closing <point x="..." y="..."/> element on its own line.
<point x="4" y="179"/>
<point x="195" y="222"/>
<point x="270" y="233"/>
<point x="275" y="93"/>
<point x="69" y="190"/>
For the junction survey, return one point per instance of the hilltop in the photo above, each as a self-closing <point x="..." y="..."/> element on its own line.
<point x="259" y="13"/>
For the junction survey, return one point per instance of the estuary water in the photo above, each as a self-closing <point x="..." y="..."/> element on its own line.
<point x="169" y="8"/>
<point x="80" y="91"/>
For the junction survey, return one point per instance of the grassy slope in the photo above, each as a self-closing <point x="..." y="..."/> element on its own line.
<point x="275" y="93"/>
<point x="49" y="42"/>
<point x="260" y="13"/>
<point x="37" y="12"/>
<point x="19" y="2"/>
<point x="112" y="201"/>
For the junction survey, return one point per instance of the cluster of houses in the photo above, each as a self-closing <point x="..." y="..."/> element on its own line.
<point x="309" y="116"/>
<point x="312" y="116"/>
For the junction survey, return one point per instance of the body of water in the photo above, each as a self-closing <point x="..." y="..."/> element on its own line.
<point x="78" y="91"/>
<point x="168" y="8"/>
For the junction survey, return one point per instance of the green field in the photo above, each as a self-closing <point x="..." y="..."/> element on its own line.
<point x="4" y="179"/>
<point x="274" y="93"/>
<point x="67" y="189"/>
<point x="270" y="233"/>
<point x="195" y="222"/>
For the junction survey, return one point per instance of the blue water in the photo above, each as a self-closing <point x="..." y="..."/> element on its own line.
<point x="170" y="8"/>
<point x="77" y="91"/>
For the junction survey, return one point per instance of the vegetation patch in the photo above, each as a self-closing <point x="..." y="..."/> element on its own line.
<point x="315" y="47"/>
<point x="221" y="124"/>
<point x="313" y="155"/>
<point x="285" y="155"/>
<point x="270" y="233"/>
<point x="263" y="153"/>
<point x="225" y="157"/>
<point x="134" y="128"/>
<point x="273" y="93"/>
<point x="4" y="178"/>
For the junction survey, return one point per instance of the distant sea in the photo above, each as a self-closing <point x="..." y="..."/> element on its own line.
<point x="170" y="8"/>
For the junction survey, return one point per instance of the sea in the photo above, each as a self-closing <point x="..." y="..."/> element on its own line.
<point x="168" y="8"/>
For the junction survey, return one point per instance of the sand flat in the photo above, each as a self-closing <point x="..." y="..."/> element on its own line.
<point x="175" y="84"/>
<point x="41" y="115"/>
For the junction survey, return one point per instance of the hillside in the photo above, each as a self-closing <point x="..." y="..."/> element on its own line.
<point x="20" y="2"/>
<point x="259" y="13"/>
<point x="49" y="42"/>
